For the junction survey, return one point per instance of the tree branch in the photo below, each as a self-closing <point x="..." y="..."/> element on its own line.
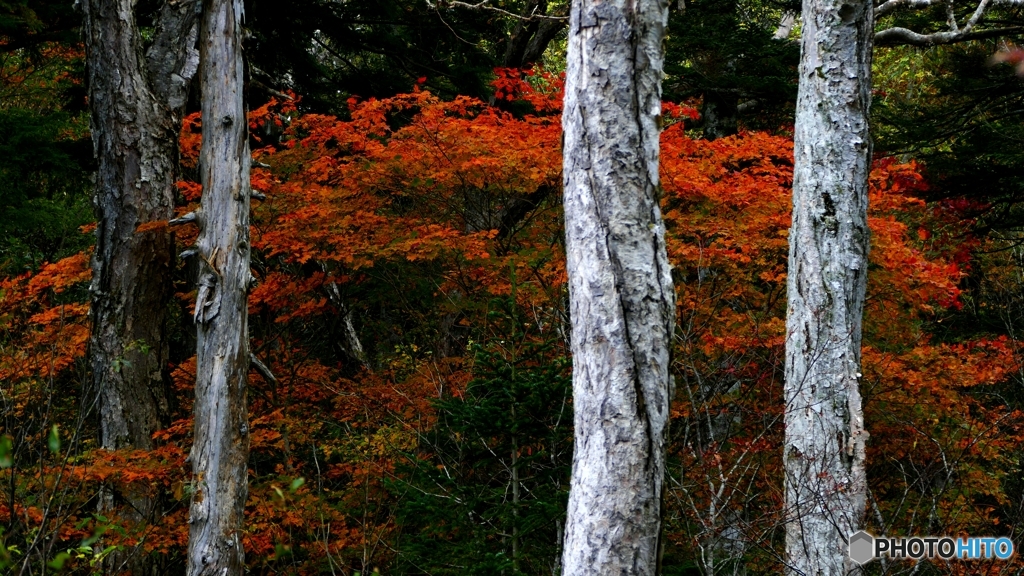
<point x="903" y="36"/>
<point x="486" y="5"/>
<point x="186" y="219"/>
<point x="254" y="80"/>
<point x="982" y="6"/>
<point x="886" y="8"/>
<point x="262" y="369"/>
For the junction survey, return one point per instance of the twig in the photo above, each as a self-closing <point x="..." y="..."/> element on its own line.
<point x="486" y="5"/>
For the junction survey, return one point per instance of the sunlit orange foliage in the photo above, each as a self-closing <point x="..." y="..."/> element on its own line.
<point x="366" y="191"/>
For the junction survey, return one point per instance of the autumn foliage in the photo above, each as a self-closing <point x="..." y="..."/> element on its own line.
<point x="410" y="309"/>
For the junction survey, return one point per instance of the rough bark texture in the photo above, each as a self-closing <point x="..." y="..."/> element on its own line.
<point x="221" y="440"/>
<point x="135" y="134"/>
<point x="135" y="124"/>
<point x="173" y="57"/>
<point x="828" y="263"/>
<point x="620" y="287"/>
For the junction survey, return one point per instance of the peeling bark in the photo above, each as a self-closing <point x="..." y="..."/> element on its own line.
<point x="221" y="439"/>
<point x="828" y="262"/>
<point x="135" y="123"/>
<point x="620" y="287"/>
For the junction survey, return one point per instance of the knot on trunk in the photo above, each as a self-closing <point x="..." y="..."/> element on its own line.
<point x="207" y="301"/>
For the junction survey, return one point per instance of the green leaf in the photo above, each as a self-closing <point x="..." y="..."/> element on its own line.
<point x="53" y="441"/>
<point x="281" y="551"/>
<point x="296" y="484"/>
<point x="6" y="451"/>
<point x="58" y="562"/>
<point x="100" y="557"/>
<point x="89" y="541"/>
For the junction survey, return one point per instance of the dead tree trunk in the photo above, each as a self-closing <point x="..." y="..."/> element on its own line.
<point x="136" y="116"/>
<point x="221" y="440"/>
<point x="828" y="264"/>
<point x="620" y="288"/>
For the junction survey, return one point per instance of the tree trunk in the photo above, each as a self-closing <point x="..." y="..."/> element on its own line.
<point x="620" y="287"/>
<point x="719" y="112"/>
<point x="828" y="263"/>
<point x="530" y="38"/>
<point x="221" y="439"/>
<point x="786" y="24"/>
<point x="135" y="126"/>
<point x="136" y="117"/>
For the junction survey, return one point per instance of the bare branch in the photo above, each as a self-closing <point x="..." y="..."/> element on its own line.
<point x="254" y="82"/>
<point x="263" y="81"/>
<point x="903" y="36"/>
<point x="982" y="6"/>
<point x="886" y="8"/>
<point x="186" y="219"/>
<point x="262" y="369"/>
<point x="486" y="5"/>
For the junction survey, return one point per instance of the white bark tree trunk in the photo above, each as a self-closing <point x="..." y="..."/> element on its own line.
<point x="620" y="287"/>
<point x="828" y="263"/>
<point x="221" y="441"/>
